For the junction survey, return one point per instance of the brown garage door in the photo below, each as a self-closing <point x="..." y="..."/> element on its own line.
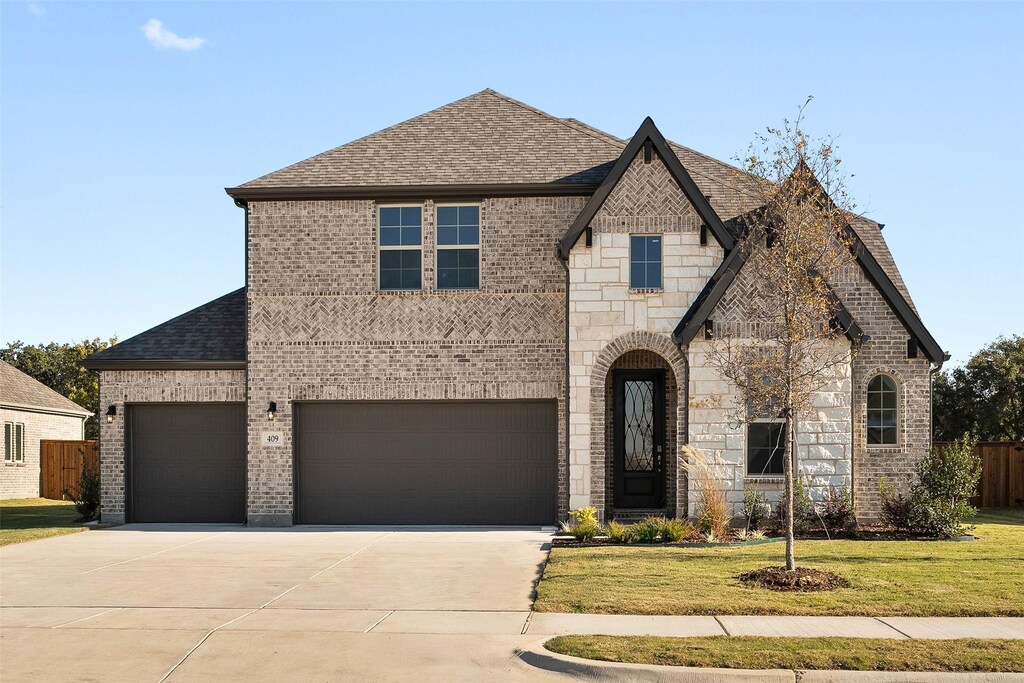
<point x="186" y="462"/>
<point x="427" y="462"/>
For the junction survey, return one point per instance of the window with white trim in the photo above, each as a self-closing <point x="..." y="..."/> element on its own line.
<point x="766" y="447"/>
<point x="883" y="413"/>
<point x="458" y="247"/>
<point x="400" y="242"/>
<point x="14" y="443"/>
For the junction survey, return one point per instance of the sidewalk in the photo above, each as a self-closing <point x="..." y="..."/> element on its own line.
<point x="542" y="623"/>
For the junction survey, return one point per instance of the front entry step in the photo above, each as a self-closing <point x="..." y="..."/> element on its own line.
<point x="633" y="515"/>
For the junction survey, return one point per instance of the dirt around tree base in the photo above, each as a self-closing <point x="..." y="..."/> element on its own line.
<point x="802" y="579"/>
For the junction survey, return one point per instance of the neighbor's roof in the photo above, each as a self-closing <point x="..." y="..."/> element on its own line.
<point x="18" y="390"/>
<point x="211" y="336"/>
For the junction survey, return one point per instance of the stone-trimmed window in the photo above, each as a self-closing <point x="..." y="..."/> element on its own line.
<point x="883" y="412"/>
<point x="400" y="244"/>
<point x="645" y="261"/>
<point x="766" y="447"/>
<point x="458" y="247"/>
<point x="14" y="443"/>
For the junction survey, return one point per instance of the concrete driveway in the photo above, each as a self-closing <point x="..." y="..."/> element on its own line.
<point x="154" y="603"/>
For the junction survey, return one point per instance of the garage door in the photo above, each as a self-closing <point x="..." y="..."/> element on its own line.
<point x="186" y="462"/>
<point x="427" y="462"/>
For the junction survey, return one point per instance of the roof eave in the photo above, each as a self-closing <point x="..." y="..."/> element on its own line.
<point x="165" y="364"/>
<point x="408" y="192"/>
<point x="66" y="412"/>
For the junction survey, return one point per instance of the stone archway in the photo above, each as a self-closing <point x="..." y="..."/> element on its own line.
<point x="638" y="349"/>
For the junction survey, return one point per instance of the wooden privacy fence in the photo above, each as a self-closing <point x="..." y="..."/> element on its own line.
<point x="61" y="465"/>
<point x="1002" y="474"/>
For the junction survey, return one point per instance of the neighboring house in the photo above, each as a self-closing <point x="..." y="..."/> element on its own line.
<point x="31" y="412"/>
<point x="489" y="315"/>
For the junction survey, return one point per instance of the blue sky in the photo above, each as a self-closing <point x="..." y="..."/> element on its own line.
<point x="119" y="134"/>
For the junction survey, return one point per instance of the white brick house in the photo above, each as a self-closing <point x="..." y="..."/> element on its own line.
<point x="490" y="315"/>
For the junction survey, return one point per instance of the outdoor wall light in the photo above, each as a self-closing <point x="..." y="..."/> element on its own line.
<point x="111" y="412"/>
<point x="272" y="411"/>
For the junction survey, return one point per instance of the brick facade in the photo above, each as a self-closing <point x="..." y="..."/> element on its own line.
<point x="121" y="387"/>
<point x="21" y="480"/>
<point x="319" y="329"/>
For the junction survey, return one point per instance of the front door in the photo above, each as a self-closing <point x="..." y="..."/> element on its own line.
<point x="639" y="424"/>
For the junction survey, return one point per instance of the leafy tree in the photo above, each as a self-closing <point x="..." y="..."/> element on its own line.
<point x="796" y="244"/>
<point x="984" y="397"/>
<point x="57" y="366"/>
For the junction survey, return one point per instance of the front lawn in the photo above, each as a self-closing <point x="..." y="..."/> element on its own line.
<point x="856" y="654"/>
<point x="887" y="578"/>
<point x="27" y="519"/>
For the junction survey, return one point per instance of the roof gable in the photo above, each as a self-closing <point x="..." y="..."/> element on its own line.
<point x="648" y="140"/>
<point x="20" y="390"/>
<point x="210" y="336"/>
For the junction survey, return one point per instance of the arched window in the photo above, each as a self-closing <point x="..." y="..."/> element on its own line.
<point x="883" y="415"/>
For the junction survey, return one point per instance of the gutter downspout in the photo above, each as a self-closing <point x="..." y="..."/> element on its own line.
<point x="565" y="265"/>
<point x="931" y="399"/>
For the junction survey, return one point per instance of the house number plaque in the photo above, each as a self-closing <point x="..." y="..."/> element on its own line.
<point x="272" y="438"/>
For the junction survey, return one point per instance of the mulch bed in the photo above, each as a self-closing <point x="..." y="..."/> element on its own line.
<point x="801" y="579"/>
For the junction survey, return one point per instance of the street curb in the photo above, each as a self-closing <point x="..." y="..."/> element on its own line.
<point x="537" y="656"/>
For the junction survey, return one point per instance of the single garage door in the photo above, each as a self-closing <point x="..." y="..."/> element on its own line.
<point x="186" y="462"/>
<point x="427" y="462"/>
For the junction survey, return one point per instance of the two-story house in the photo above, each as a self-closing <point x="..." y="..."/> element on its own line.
<point x="489" y="315"/>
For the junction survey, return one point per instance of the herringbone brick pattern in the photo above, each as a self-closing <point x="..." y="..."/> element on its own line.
<point x="646" y="199"/>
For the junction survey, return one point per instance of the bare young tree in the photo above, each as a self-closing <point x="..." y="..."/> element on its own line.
<point x="791" y="342"/>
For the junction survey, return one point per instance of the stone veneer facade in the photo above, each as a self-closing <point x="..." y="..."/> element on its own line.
<point x="21" y="480"/>
<point x="319" y="330"/>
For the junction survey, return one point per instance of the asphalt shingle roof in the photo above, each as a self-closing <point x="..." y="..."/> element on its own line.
<point x="214" y="332"/>
<point x="18" y="389"/>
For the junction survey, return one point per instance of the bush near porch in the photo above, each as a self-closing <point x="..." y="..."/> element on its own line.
<point x="887" y="578"/>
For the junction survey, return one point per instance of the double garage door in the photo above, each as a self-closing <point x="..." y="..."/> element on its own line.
<point x="416" y="462"/>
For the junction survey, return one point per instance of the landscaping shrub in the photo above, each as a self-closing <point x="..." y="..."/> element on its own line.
<point x="87" y="498"/>
<point x="895" y="506"/>
<point x="947" y="478"/>
<point x="647" y="530"/>
<point x="837" y="510"/>
<point x="582" y="524"/>
<point x="621" y="533"/>
<point x="803" y="508"/>
<point x="675" y="530"/>
<point x="754" y="506"/>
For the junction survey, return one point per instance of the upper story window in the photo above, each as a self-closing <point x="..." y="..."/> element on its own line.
<point x="458" y="247"/>
<point x="401" y="247"/>
<point x="883" y="414"/>
<point x="14" y="443"/>
<point x="645" y="262"/>
<point x="766" y="447"/>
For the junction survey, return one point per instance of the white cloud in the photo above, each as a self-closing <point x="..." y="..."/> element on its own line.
<point x="163" y="39"/>
<point x="36" y="10"/>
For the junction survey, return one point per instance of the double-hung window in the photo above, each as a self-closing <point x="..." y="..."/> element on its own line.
<point x="766" y="447"/>
<point x="645" y="262"/>
<point x="14" y="443"/>
<point x="401" y="247"/>
<point x="458" y="247"/>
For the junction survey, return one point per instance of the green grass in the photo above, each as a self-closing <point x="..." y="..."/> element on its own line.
<point x="28" y="519"/>
<point x="856" y="654"/>
<point x="887" y="578"/>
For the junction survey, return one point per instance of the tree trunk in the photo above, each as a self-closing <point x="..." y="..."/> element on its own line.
<point x="789" y="470"/>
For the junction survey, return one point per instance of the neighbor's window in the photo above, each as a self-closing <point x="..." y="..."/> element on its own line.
<point x="14" y="442"/>
<point x="882" y="411"/>
<point x="458" y="247"/>
<point x="401" y="250"/>
<point x="766" y="447"/>
<point x="645" y="262"/>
